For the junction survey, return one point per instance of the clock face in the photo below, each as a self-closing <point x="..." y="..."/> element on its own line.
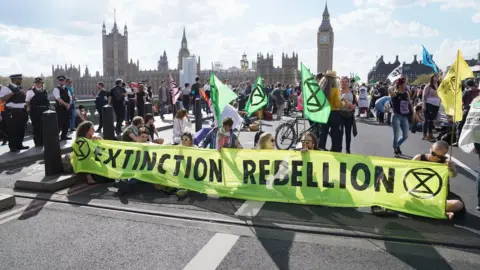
<point x="324" y="39"/>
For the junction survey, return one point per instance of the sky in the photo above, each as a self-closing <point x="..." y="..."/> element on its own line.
<point x="36" y="34"/>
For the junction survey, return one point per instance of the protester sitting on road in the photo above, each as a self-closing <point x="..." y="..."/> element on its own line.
<point x="266" y="141"/>
<point x="454" y="204"/>
<point x="380" y="105"/>
<point x="309" y="142"/>
<point x="142" y="137"/>
<point x="181" y="124"/>
<point x="152" y="131"/>
<point x="187" y="141"/>
<point x="223" y="137"/>
<point x="80" y="115"/>
<point x="417" y="119"/>
<point x="131" y="133"/>
<point x="86" y="130"/>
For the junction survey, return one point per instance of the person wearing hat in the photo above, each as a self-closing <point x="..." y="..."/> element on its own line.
<point x="37" y="103"/>
<point x="329" y="85"/>
<point x="62" y="107"/>
<point x="117" y="100"/>
<point x="14" y="97"/>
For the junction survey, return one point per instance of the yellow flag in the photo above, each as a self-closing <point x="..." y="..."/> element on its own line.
<point x="450" y="90"/>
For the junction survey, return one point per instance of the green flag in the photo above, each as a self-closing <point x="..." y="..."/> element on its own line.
<point x="258" y="99"/>
<point x="221" y="96"/>
<point x="315" y="104"/>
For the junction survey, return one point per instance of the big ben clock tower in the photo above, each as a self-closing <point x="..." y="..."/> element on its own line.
<point x="325" y="40"/>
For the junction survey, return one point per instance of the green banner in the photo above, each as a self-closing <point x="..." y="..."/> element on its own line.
<point x="315" y="104"/>
<point x="258" y="99"/>
<point x="315" y="177"/>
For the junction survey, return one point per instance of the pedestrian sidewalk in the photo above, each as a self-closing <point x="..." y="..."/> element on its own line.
<point x="8" y="159"/>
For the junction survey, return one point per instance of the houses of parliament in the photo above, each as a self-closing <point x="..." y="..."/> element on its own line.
<point x="116" y="63"/>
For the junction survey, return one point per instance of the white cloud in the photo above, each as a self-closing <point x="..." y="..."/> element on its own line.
<point x="447" y="51"/>
<point x="157" y="25"/>
<point x="444" y="5"/>
<point x="381" y="20"/>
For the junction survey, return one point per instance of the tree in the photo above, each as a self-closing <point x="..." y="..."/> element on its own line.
<point x="422" y="79"/>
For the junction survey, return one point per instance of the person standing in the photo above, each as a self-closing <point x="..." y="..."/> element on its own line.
<point x="347" y="115"/>
<point x="14" y="97"/>
<point x="431" y="106"/>
<point x="69" y="85"/>
<point x="186" y="97"/>
<point x="3" y="119"/>
<point x="141" y="98"/>
<point x="37" y="103"/>
<point x="328" y="84"/>
<point x="162" y="99"/>
<point x="195" y="92"/>
<point x="402" y="109"/>
<point x="130" y="100"/>
<point x="62" y="107"/>
<point x="278" y="96"/>
<point x="206" y="88"/>
<point x="117" y="100"/>
<point x="101" y="100"/>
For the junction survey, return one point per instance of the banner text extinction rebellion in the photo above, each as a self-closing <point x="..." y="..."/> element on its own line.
<point x="201" y="169"/>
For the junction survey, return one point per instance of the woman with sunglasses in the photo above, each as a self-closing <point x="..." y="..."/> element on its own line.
<point x="454" y="205"/>
<point x="266" y="141"/>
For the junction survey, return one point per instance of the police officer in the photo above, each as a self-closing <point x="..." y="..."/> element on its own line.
<point x="37" y="103"/>
<point x="117" y="100"/>
<point x="62" y="105"/>
<point x="17" y="116"/>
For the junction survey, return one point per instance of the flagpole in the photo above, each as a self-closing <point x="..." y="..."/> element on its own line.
<point x="455" y="108"/>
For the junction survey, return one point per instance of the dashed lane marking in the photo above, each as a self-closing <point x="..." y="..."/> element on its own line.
<point x="212" y="254"/>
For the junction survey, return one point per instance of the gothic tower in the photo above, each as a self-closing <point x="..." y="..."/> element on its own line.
<point x="115" y="51"/>
<point x="184" y="52"/>
<point x="163" y="63"/>
<point x="325" y="39"/>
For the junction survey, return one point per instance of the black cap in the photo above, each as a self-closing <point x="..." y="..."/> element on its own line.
<point x="16" y="76"/>
<point x="38" y="80"/>
<point x="61" y="78"/>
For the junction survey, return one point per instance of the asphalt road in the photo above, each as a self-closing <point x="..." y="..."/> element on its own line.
<point x="95" y="228"/>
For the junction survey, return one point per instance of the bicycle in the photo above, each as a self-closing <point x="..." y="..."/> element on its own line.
<point x="289" y="131"/>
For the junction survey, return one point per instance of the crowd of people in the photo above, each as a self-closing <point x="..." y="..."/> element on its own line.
<point x="406" y="108"/>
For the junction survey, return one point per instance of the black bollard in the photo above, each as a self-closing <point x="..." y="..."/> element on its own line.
<point x="51" y="152"/>
<point x="148" y="108"/>
<point x="108" y="126"/>
<point x="198" y="114"/>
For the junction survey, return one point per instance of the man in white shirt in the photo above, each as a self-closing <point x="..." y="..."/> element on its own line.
<point x="37" y="103"/>
<point x="62" y="99"/>
<point x="17" y="116"/>
<point x="186" y="97"/>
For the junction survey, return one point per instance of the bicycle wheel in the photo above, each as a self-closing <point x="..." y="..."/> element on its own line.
<point x="285" y="136"/>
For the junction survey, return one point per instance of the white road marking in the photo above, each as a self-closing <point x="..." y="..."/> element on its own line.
<point x="249" y="208"/>
<point x="35" y="205"/>
<point x="212" y="254"/>
<point x="465" y="167"/>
